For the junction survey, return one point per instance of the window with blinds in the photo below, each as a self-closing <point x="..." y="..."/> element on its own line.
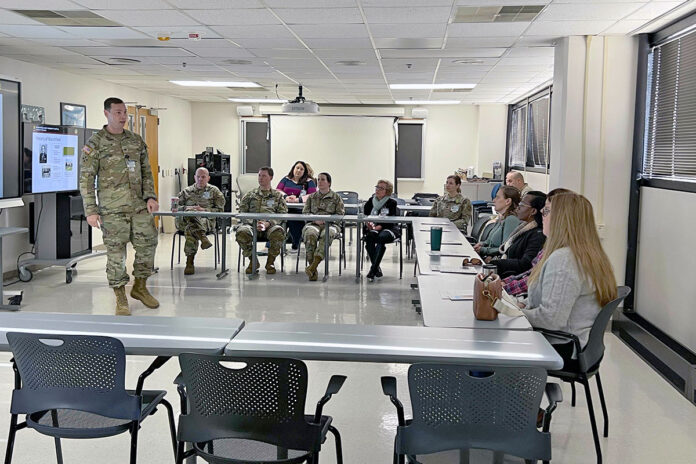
<point x="528" y="134"/>
<point x="538" y="133"/>
<point x="670" y="139"/>
<point x="517" y="138"/>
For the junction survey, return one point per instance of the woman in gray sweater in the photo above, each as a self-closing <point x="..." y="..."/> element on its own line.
<point x="574" y="279"/>
<point x="506" y="201"/>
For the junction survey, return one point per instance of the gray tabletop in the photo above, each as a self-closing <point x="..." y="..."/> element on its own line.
<point x="421" y="237"/>
<point x="151" y="336"/>
<point x="414" y="207"/>
<point x="439" y="311"/>
<point x="208" y="214"/>
<point x="394" y="344"/>
<point x="325" y="217"/>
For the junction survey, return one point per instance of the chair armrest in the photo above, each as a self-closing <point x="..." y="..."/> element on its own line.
<point x="560" y="334"/>
<point x="335" y="384"/>
<point x="156" y="364"/>
<point x="389" y="389"/>
<point x="554" y="394"/>
<point x="471" y="240"/>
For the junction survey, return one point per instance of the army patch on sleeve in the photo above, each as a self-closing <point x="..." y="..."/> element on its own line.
<point x="87" y="149"/>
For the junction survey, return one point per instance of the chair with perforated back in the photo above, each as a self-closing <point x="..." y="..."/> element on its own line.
<point x="459" y="407"/>
<point x="251" y="410"/>
<point x="341" y="237"/>
<point x="478" y="230"/>
<point x="179" y="234"/>
<point x="73" y="386"/>
<point x="349" y="198"/>
<point x="588" y="360"/>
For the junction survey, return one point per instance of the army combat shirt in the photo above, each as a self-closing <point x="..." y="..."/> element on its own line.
<point x="121" y="167"/>
<point x="263" y="201"/>
<point x="324" y="203"/>
<point x="209" y="198"/>
<point x="457" y="209"/>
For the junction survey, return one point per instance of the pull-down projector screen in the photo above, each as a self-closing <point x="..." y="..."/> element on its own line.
<point x="355" y="150"/>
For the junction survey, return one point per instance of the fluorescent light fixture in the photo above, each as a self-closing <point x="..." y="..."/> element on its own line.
<point x="430" y="86"/>
<point x="256" y="100"/>
<point x="245" y="85"/>
<point x="427" y="102"/>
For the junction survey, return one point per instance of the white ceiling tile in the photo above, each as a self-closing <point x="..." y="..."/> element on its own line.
<point x="269" y="43"/>
<point x="537" y="41"/>
<point x="34" y="32"/>
<point x="408" y="30"/>
<point x="130" y="51"/>
<point x="320" y="15"/>
<point x="39" y="5"/>
<point x="215" y="4"/>
<point x="147" y="17"/>
<point x="486" y="29"/>
<point x="178" y="32"/>
<point x="451" y="54"/>
<point x="103" y="32"/>
<point x="418" y="15"/>
<point x="653" y="10"/>
<point x="227" y="17"/>
<point x="530" y="51"/>
<point x="269" y="31"/>
<point x="345" y="54"/>
<point x="504" y="2"/>
<point x="223" y="52"/>
<point x="566" y="28"/>
<point x="624" y="27"/>
<point x="67" y="42"/>
<point x="588" y="12"/>
<point x="310" y="3"/>
<point x="124" y="4"/>
<point x="12" y="18"/>
<point x="331" y="31"/>
<point x="473" y="42"/>
<point x="410" y="43"/>
<point x="338" y="43"/>
<point x="280" y="53"/>
<point x="405" y="3"/>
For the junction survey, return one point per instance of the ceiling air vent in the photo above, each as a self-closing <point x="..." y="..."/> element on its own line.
<point x="79" y="18"/>
<point x="497" y="14"/>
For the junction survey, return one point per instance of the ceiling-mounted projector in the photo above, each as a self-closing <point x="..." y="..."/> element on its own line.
<point x="300" y="106"/>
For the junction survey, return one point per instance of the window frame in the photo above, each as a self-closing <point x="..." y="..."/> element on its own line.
<point x="525" y="102"/>
<point x="422" y="123"/>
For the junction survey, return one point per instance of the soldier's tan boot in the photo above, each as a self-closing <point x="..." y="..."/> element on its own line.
<point x="270" y="263"/>
<point x="189" y="269"/>
<point x="248" y="269"/>
<point x="139" y="292"/>
<point x="205" y="243"/>
<point x="121" y="301"/>
<point x="311" y="270"/>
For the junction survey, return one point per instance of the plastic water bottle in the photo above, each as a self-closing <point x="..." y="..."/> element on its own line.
<point x="361" y="210"/>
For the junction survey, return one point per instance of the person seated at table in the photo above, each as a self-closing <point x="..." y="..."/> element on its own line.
<point x="201" y="196"/>
<point x="574" y="279"/>
<point x="517" y="284"/>
<point x="378" y="234"/>
<point x="323" y="201"/>
<point x="296" y="186"/>
<point x="453" y="205"/>
<point x="516" y="179"/>
<point x="518" y="251"/>
<point x="263" y="199"/>
<point x="506" y="201"/>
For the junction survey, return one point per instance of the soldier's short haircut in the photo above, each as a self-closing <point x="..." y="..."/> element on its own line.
<point x="268" y="169"/>
<point x="328" y="176"/>
<point x="112" y="101"/>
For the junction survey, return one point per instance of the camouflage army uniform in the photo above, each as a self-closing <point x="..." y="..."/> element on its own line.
<point x="314" y="234"/>
<point x="209" y="198"/>
<point x="260" y="201"/>
<point x="124" y="183"/>
<point x="457" y="209"/>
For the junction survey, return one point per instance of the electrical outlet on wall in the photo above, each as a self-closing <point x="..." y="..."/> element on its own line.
<point x="601" y="231"/>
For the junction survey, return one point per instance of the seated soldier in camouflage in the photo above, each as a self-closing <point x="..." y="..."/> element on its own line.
<point x="323" y="201"/>
<point x="200" y="196"/>
<point x="263" y="199"/>
<point x="453" y="205"/>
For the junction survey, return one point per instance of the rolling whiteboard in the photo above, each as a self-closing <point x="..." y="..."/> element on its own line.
<point x="355" y="150"/>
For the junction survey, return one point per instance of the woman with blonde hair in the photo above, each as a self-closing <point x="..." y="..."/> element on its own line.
<point x="378" y="234"/>
<point x="574" y="279"/>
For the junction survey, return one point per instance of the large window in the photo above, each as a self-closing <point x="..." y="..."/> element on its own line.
<point x="528" y="133"/>
<point x="670" y="137"/>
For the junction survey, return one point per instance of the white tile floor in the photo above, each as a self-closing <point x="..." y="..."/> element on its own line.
<point x="650" y="421"/>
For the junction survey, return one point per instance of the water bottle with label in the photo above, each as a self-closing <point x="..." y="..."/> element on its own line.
<point x="361" y="210"/>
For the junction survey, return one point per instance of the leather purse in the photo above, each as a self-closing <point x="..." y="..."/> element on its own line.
<point x="487" y="290"/>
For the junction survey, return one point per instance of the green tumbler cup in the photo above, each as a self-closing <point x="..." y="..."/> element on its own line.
<point x="435" y="238"/>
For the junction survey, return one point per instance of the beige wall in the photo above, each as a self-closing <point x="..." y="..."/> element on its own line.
<point x="46" y="87"/>
<point x="492" y="137"/>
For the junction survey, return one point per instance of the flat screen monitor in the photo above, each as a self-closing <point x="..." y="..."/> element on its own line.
<point x="10" y="145"/>
<point x="51" y="158"/>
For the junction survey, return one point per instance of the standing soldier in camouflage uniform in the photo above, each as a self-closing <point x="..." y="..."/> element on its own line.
<point x="452" y="205"/>
<point x="117" y="159"/>
<point x="200" y="196"/>
<point x="263" y="199"/>
<point x="323" y="201"/>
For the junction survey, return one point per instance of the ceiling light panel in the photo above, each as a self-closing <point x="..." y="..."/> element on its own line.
<point x="232" y="17"/>
<point x="439" y="15"/>
<point x="427" y="102"/>
<point x="320" y="15"/>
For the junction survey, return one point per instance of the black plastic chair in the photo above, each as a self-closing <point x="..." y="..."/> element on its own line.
<point x="465" y="407"/>
<point x="180" y="234"/>
<point x="398" y="240"/>
<point x="251" y="411"/>
<point x="73" y="386"/>
<point x="478" y="228"/>
<point x="588" y="361"/>
<point x="241" y="259"/>
<point x="341" y="237"/>
<point x="349" y="198"/>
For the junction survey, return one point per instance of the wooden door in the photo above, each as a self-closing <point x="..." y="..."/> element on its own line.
<point x="146" y="125"/>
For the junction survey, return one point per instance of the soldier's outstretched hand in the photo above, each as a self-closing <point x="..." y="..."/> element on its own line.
<point x="94" y="220"/>
<point x="152" y="205"/>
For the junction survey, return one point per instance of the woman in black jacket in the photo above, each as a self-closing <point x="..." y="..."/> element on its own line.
<point x="526" y="241"/>
<point x="378" y="234"/>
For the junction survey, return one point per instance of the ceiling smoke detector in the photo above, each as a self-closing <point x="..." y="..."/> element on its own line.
<point x="300" y="105"/>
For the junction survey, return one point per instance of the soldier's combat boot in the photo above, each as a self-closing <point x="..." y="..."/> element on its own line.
<point x="205" y="243"/>
<point x="311" y="270"/>
<point x="248" y="269"/>
<point x="121" y="301"/>
<point x="189" y="269"/>
<point x="270" y="263"/>
<point x="139" y="292"/>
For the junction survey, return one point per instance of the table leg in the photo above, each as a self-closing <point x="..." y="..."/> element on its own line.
<point x="223" y="262"/>
<point x="326" y="251"/>
<point x="3" y="306"/>
<point x="358" y="251"/>
<point x="254" y="239"/>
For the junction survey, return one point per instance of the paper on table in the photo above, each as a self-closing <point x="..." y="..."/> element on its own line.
<point x="456" y="296"/>
<point x="453" y="270"/>
<point x="435" y="223"/>
<point x="446" y="243"/>
<point x="444" y="231"/>
<point x="448" y="253"/>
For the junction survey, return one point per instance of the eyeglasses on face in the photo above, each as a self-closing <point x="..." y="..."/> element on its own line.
<point x="546" y="211"/>
<point x="379" y="187"/>
<point x="526" y="205"/>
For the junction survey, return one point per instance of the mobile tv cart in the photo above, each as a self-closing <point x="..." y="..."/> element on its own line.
<point x="60" y="233"/>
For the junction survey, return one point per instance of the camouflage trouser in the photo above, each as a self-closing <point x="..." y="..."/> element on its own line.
<point x="313" y="236"/>
<point x="119" y="229"/>
<point x="193" y="226"/>
<point x="275" y="236"/>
